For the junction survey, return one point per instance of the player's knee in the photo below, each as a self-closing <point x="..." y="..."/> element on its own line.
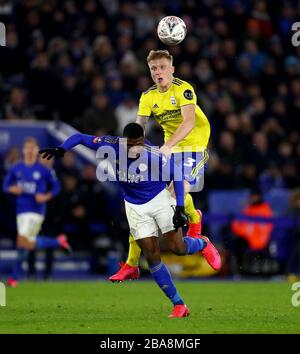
<point x="23" y="242"/>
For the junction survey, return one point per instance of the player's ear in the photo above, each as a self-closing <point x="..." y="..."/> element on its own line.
<point x="173" y="69"/>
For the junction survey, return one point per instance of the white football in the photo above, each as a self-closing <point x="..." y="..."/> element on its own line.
<point x="171" y="30"/>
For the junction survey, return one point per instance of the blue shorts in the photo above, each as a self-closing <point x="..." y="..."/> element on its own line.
<point x="192" y="166"/>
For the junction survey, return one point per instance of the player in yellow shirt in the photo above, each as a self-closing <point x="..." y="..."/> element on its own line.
<point x="173" y="104"/>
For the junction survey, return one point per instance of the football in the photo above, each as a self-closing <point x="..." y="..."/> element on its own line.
<point x="171" y="30"/>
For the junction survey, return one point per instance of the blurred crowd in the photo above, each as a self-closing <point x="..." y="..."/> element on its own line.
<point x="84" y="62"/>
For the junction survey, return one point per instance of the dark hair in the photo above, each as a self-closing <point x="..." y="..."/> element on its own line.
<point x="133" y="131"/>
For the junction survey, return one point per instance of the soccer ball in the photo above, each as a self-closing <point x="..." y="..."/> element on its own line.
<point x="171" y="30"/>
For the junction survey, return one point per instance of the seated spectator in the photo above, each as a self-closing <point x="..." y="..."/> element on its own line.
<point x="271" y="178"/>
<point x="99" y="119"/>
<point x="17" y="107"/>
<point x="126" y="112"/>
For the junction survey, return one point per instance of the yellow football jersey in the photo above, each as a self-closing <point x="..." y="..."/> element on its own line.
<point x="165" y="108"/>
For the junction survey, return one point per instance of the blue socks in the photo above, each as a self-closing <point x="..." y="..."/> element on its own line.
<point x="162" y="276"/>
<point x="194" y="245"/>
<point x="43" y="242"/>
<point x="22" y="255"/>
<point x="163" y="279"/>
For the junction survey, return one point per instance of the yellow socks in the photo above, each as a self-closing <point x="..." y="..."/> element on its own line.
<point x="190" y="210"/>
<point x="133" y="253"/>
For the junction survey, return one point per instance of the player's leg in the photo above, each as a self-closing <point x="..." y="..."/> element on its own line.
<point x="182" y="246"/>
<point x="22" y="247"/>
<point x="163" y="214"/>
<point x="22" y="255"/>
<point x="194" y="215"/>
<point x="191" y="165"/>
<point x="187" y="245"/>
<point x="130" y="269"/>
<point x="161" y="275"/>
<point x="41" y="242"/>
<point x="29" y="225"/>
<point x="134" y="253"/>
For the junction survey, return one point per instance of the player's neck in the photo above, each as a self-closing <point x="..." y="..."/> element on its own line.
<point x="166" y="87"/>
<point x="29" y="162"/>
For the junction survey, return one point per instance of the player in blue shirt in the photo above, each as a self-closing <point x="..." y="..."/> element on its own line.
<point x="34" y="185"/>
<point x="143" y="173"/>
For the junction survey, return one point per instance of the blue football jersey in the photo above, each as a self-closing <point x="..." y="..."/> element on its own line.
<point x="140" y="179"/>
<point x="33" y="179"/>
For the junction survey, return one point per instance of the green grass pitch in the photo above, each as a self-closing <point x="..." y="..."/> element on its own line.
<point x="141" y="307"/>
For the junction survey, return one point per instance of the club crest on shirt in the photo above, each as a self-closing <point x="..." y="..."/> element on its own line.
<point x="36" y="175"/>
<point x="173" y="101"/>
<point x="96" y="140"/>
<point x="143" y="167"/>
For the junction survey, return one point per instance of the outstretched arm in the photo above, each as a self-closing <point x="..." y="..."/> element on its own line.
<point x="83" y="139"/>
<point x="72" y="141"/>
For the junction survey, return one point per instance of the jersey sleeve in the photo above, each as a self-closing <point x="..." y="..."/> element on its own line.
<point x="144" y="106"/>
<point x="90" y="141"/>
<point x="186" y="95"/>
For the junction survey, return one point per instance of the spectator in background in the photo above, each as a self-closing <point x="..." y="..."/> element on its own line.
<point x="17" y="106"/>
<point x="74" y="208"/>
<point x="115" y="91"/>
<point x="271" y="178"/>
<point x="126" y="113"/>
<point x="68" y="165"/>
<point x="43" y="86"/>
<point x="71" y="101"/>
<point x="252" y="236"/>
<point x="100" y="118"/>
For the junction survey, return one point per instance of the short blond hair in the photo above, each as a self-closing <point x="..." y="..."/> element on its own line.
<point x="31" y="140"/>
<point x="159" y="54"/>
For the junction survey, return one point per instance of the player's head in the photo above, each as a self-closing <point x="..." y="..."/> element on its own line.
<point x="134" y="133"/>
<point x="161" y="67"/>
<point x="30" y="149"/>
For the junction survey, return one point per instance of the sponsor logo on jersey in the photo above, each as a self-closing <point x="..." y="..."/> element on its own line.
<point x="168" y="114"/>
<point x="173" y="100"/>
<point x="188" y="94"/>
